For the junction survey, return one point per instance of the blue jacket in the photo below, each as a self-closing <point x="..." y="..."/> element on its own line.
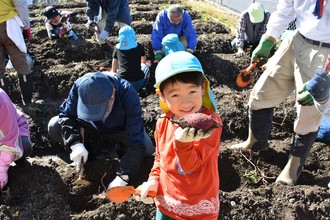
<point x="117" y="10"/>
<point x="125" y="115"/>
<point x="163" y="26"/>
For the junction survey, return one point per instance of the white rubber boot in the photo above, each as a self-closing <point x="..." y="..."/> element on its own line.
<point x="246" y="145"/>
<point x="299" y="151"/>
<point x="291" y="171"/>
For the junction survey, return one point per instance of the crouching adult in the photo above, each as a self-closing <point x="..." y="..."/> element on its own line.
<point x="109" y="107"/>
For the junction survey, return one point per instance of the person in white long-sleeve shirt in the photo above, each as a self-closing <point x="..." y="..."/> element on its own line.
<point x="293" y="64"/>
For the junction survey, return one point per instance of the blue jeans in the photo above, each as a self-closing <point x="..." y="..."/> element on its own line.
<point x="143" y="82"/>
<point x="138" y="84"/>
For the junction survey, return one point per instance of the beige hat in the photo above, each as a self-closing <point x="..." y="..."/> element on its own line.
<point x="256" y="12"/>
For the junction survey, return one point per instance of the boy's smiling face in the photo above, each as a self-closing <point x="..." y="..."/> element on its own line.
<point x="182" y="98"/>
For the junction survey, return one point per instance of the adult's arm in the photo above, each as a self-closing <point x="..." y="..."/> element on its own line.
<point x="157" y="32"/>
<point x="280" y="19"/>
<point x="240" y="31"/>
<point x="68" y="118"/>
<point x="23" y="12"/>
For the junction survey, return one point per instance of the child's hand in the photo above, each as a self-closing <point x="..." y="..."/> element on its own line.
<point x="150" y="185"/>
<point x="190" y="134"/>
<point x="62" y="32"/>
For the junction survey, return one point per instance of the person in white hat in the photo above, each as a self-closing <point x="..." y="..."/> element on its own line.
<point x="251" y="26"/>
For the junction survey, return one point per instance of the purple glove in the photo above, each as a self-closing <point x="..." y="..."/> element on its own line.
<point x="319" y="86"/>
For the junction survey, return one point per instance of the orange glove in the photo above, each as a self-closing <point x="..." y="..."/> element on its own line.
<point x="27" y="34"/>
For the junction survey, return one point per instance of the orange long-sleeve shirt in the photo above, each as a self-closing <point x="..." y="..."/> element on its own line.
<point x="187" y="173"/>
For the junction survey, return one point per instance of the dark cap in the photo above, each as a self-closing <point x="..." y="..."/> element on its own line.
<point x="94" y="93"/>
<point x="51" y="12"/>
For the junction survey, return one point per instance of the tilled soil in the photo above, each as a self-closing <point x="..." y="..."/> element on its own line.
<point x="42" y="188"/>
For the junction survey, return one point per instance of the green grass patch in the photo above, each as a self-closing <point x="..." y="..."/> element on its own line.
<point x="211" y="12"/>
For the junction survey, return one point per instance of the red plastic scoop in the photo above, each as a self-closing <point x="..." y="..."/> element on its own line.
<point x="244" y="78"/>
<point x="121" y="194"/>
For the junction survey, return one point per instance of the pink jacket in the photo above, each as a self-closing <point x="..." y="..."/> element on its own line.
<point x="13" y="125"/>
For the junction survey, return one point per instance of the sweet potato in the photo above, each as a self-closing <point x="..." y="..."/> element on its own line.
<point x="197" y="121"/>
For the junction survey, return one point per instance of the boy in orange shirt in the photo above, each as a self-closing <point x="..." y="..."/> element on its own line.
<point x="185" y="172"/>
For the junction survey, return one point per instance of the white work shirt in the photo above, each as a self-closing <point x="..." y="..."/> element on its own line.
<point x="307" y="23"/>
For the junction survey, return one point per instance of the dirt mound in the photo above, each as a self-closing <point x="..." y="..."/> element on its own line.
<point x="42" y="188"/>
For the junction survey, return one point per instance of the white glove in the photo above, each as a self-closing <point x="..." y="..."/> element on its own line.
<point x="150" y="185"/>
<point x="190" y="134"/>
<point x="240" y="53"/>
<point x="78" y="154"/>
<point x="88" y="24"/>
<point x="189" y="50"/>
<point x="104" y="35"/>
<point x="118" y="181"/>
<point x="5" y="160"/>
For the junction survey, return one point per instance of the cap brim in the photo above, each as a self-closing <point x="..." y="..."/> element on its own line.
<point x="91" y="112"/>
<point x="156" y="85"/>
<point x="54" y="15"/>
